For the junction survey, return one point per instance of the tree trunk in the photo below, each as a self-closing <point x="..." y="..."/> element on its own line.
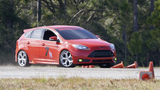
<point x="1" y="57"/>
<point x="61" y="5"/>
<point x="135" y="18"/>
<point x="147" y="57"/>
<point x="64" y="7"/>
<point x="11" y="10"/>
<point x="137" y="57"/>
<point x="125" y="41"/>
<point x="124" y="34"/>
<point x="152" y="9"/>
<point x="38" y="11"/>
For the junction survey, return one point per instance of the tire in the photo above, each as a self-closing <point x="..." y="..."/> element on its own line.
<point x="107" y="65"/>
<point x="66" y="59"/>
<point x="22" y="59"/>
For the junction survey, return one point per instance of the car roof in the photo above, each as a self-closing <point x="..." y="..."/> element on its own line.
<point x="52" y="27"/>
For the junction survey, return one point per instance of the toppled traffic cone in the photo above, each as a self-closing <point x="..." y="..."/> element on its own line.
<point x="134" y="65"/>
<point x="151" y="68"/>
<point x="120" y="65"/>
<point x="85" y="66"/>
<point x="91" y="66"/>
<point x="145" y="75"/>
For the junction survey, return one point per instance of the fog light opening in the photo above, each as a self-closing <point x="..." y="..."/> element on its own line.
<point x="80" y="60"/>
<point x="115" y="59"/>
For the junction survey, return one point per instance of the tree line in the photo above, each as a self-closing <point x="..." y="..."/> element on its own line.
<point x="132" y="25"/>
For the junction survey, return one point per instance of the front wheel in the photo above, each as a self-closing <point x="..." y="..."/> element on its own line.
<point x="22" y="59"/>
<point x="107" y="65"/>
<point x="66" y="59"/>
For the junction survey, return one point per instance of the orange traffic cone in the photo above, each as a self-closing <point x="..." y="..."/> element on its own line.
<point x="134" y="65"/>
<point x="145" y="75"/>
<point x="83" y="66"/>
<point x="151" y="68"/>
<point x="87" y="66"/>
<point x="91" y="66"/>
<point x="120" y="65"/>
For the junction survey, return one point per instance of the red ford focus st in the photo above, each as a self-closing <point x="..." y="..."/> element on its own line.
<point x="66" y="46"/>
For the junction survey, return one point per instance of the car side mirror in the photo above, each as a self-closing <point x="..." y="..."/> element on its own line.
<point x="53" y="38"/>
<point x="97" y="36"/>
<point x="58" y="41"/>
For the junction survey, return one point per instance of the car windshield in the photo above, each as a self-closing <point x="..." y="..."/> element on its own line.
<point x="76" y="34"/>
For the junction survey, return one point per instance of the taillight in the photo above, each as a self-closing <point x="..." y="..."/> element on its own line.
<point x="16" y="43"/>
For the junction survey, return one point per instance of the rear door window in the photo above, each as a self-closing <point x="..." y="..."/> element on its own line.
<point x="28" y="34"/>
<point x="37" y="34"/>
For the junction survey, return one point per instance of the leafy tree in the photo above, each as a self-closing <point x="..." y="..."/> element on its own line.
<point x="155" y="20"/>
<point x="152" y="9"/>
<point x="125" y="11"/>
<point x="111" y="19"/>
<point x="11" y="27"/>
<point x="135" y="45"/>
<point x="135" y="18"/>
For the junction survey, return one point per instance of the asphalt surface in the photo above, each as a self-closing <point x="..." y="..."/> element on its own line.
<point x="56" y="72"/>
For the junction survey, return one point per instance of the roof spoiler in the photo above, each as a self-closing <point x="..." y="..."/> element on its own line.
<point x="26" y="30"/>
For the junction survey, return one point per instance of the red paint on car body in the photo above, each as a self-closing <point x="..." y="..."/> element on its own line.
<point x="41" y="51"/>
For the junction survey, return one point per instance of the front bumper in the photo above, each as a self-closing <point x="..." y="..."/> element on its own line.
<point x="83" y="57"/>
<point x="83" y="60"/>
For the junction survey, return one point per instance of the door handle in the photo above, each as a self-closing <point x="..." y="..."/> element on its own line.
<point x="28" y="42"/>
<point x="43" y="44"/>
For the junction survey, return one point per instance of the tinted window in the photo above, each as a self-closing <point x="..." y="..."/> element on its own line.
<point x="37" y="34"/>
<point x="28" y="34"/>
<point x="76" y="34"/>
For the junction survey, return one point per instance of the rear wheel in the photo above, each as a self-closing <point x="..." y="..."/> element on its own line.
<point x="22" y="59"/>
<point x="107" y="65"/>
<point x="66" y="59"/>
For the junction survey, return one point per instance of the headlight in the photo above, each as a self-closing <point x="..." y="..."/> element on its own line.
<point x="112" y="47"/>
<point x="81" y="47"/>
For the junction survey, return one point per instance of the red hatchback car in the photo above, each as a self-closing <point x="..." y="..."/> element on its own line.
<point x="66" y="46"/>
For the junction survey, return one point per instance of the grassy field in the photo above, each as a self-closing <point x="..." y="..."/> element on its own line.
<point x="76" y="83"/>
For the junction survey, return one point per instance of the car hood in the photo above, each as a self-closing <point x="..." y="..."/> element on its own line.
<point x="90" y="42"/>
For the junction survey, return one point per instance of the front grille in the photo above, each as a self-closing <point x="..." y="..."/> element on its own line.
<point x="101" y="53"/>
<point x="102" y="60"/>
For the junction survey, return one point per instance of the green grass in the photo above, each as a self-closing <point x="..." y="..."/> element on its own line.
<point x="76" y="83"/>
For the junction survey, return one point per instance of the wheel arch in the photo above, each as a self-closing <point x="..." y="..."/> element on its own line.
<point x="61" y="52"/>
<point x="19" y="51"/>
